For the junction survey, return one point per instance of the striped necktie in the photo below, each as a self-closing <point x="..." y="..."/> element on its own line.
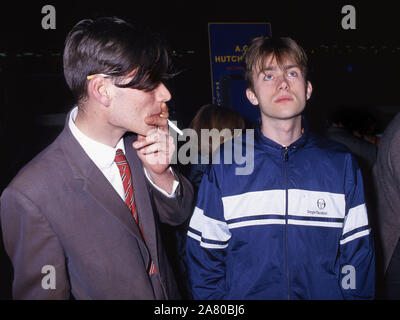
<point x="126" y="177"/>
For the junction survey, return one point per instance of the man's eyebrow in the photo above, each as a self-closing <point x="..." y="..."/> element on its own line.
<point x="265" y="69"/>
<point x="273" y="68"/>
<point x="290" y="66"/>
<point x="270" y="68"/>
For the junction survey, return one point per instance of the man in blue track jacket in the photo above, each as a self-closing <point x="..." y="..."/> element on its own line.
<point x="296" y="227"/>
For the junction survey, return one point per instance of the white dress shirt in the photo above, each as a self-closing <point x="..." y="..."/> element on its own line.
<point x="103" y="156"/>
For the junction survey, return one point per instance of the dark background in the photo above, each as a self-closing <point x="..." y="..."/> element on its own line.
<point x="352" y="68"/>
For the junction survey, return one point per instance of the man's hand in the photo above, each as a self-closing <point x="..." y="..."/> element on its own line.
<point x="156" y="149"/>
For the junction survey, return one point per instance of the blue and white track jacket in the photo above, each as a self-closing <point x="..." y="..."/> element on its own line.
<point x="295" y="228"/>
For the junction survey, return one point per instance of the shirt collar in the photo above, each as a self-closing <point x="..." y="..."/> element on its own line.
<point x="102" y="155"/>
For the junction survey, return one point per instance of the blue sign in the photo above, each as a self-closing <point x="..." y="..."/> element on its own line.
<point x="228" y="43"/>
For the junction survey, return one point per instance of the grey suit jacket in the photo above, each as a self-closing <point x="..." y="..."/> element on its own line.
<point x="387" y="185"/>
<point x="60" y="211"/>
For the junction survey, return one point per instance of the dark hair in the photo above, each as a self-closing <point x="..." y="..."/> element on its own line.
<point x="261" y="48"/>
<point x="211" y="116"/>
<point x="112" y="46"/>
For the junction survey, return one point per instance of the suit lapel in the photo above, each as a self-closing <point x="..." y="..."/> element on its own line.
<point x="102" y="191"/>
<point x="142" y="197"/>
<point x="95" y="183"/>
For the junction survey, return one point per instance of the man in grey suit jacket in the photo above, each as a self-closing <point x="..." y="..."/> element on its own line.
<point x="66" y="226"/>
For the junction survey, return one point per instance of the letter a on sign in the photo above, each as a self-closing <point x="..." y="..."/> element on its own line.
<point x="349" y="20"/>
<point x="49" y="20"/>
<point x="49" y="280"/>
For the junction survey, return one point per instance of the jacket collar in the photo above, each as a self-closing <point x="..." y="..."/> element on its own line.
<point x="272" y="145"/>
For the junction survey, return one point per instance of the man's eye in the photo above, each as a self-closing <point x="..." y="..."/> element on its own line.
<point x="268" y="77"/>
<point x="292" y="74"/>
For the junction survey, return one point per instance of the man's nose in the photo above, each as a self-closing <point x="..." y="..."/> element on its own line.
<point x="163" y="93"/>
<point x="283" y="83"/>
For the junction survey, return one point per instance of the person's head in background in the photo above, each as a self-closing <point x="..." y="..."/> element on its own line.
<point x="223" y="120"/>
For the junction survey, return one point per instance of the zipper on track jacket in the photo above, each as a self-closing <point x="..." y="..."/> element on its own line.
<point x="285" y="160"/>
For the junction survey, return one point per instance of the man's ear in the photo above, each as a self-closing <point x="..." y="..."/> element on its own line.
<point x="252" y="97"/>
<point x="308" y="90"/>
<point x="98" y="89"/>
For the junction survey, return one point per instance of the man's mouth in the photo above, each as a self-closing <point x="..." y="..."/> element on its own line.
<point x="283" y="99"/>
